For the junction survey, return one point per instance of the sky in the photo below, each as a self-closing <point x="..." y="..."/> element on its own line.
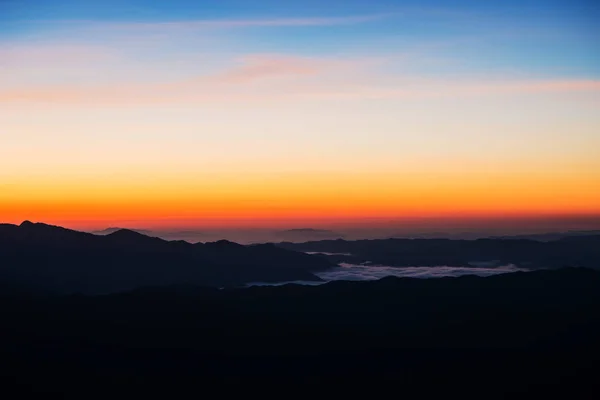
<point x="297" y="113"/>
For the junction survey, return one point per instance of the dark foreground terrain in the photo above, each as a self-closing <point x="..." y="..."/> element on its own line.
<point x="531" y="334"/>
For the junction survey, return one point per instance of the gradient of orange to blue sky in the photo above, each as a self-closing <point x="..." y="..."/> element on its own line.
<point x="295" y="113"/>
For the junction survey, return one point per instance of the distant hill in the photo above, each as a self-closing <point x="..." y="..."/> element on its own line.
<point x="581" y="251"/>
<point x="108" y="231"/>
<point x="50" y="258"/>
<point x="546" y="237"/>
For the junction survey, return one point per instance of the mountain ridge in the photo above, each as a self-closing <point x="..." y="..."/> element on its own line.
<point x="574" y="251"/>
<point x="56" y="258"/>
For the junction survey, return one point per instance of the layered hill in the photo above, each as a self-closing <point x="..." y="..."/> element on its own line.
<point x="36" y="256"/>
<point x="572" y="251"/>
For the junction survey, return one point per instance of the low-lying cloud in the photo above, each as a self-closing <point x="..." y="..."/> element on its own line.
<point x="352" y="272"/>
<point x="328" y="254"/>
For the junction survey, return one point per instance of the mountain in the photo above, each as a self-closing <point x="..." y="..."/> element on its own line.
<point x="110" y="230"/>
<point x="546" y="237"/>
<point x="50" y="258"/>
<point x="582" y="251"/>
<point x="506" y="334"/>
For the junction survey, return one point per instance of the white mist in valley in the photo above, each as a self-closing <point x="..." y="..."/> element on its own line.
<point x="353" y="272"/>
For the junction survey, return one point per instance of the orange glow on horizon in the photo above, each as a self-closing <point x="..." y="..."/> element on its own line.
<point x="298" y="200"/>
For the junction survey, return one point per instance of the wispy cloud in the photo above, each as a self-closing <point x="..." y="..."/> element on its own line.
<point x="423" y="89"/>
<point x="255" y="68"/>
<point x="251" y="78"/>
<point x="61" y="55"/>
<point x="297" y="78"/>
<point x="186" y="25"/>
<point x="230" y="84"/>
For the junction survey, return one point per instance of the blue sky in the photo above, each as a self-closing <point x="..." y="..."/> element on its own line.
<point x="559" y="36"/>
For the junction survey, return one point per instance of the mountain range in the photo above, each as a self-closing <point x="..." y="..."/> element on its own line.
<point x="124" y="312"/>
<point x="45" y="257"/>
<point x="110" y="230"/>
<point x="573" y="251"/>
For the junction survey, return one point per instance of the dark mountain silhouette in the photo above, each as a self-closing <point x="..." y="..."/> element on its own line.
<point x="110" y="230"/>
<point x="582" y="251"/>
<point x="45" y="257"/>
<point x="550" y="236"/>
<point x="514" y="333"/>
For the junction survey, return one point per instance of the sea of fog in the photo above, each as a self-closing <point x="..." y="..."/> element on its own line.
<point x="353" y="272"/>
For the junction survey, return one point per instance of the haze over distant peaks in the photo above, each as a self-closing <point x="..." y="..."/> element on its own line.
<point x="309" y="233"/>
<point x="546" y="237"/>
<point x="309" y="230"/>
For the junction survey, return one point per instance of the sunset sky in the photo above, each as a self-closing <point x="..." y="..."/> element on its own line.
<point x="297" y="113"/>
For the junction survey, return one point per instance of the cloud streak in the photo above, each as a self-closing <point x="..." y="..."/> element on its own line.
<point x="61" y="55"/>
<point x="192" y="25"/>
<point x="256" y="68"/>
<point x="297" y="79"/>
<point x="232" y="84"/>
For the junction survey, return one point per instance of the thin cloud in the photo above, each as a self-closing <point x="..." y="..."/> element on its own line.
<point x="257" y="68"/>
<point x="298" y="78"/>
<point x="228" y="23"/>
<point x="152" y="94"/>
<point x="227" y="85"/>
<point x="62" y="54"/>
<point x="425" y="89"/>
